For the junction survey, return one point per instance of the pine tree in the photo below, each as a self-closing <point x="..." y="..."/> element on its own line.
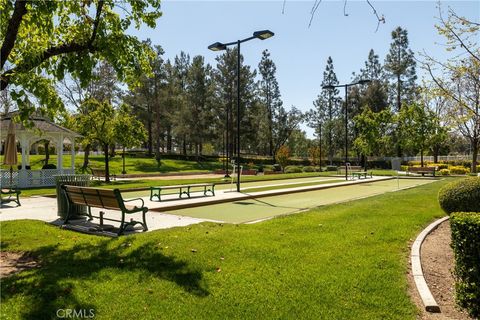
<point x="226" y="80"/>
<point x="400" y="68"/>
<point x="199" y="94"/>
<point x="180" y="69"/>
<point x="269" y="94"/>
<point x="325" y="108"/>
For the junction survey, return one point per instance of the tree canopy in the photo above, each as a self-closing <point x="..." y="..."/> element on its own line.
<point x="42" y="41"/>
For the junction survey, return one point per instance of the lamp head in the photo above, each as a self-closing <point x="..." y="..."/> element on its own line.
<point x="263" y="34"/>
<point x="364" y="81"/>
<point x="328" y="87"/>
<point x="217" y="46"/>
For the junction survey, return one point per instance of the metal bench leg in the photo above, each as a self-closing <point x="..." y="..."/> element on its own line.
<point x="101" y="218"/>
<point x="153" y="194"/>
<point x="122" y="225"/>
<point x="145" y="228"/>
<point x="90" y="217"/>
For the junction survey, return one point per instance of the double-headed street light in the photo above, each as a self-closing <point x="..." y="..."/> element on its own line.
<point x="331" y="87"/>
<point x="218" y="46"/>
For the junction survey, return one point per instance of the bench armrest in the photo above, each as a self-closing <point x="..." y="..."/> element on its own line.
<point x="136" y="199"/>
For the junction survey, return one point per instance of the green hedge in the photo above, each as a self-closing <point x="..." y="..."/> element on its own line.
<point x="293" y="169"/>
<point x="466" y="246"/>
<point x="461" y="195"/>
<point x="308" y="169"/>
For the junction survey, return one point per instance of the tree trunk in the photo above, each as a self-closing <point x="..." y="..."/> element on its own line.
<point x="112" y="151"/>
<point x="107" y="172"/>
<point x="169" y="139"/>
<point x="421" y="158"/>
<point x="436" y="151"/>
<point x="86" y="156"/>
<point x="184" y="145"/>
<point x="320" y="148"/>
<point x="475" y="143"/>
<point x="47" y="152"/>
<point x="399" y="106"/>
<point x="150" y="138"/>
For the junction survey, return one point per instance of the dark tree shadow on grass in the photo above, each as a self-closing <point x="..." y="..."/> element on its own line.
<point x="51" y="287"/>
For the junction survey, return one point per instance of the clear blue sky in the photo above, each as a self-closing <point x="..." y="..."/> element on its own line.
<point x="300" y="52"/>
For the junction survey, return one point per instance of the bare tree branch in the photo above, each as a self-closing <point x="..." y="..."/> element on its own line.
<point x="316" y="4"/>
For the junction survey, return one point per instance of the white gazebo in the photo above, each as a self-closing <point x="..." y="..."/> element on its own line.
<point x="43" y="129"/>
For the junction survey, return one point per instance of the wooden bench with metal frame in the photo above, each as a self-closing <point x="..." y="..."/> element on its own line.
<point x="361" y="174"/>
<point x="12" y="195"/>
<point x="183" y="190"/>
<point x="105" y="199"/>
<point x="422" y="170"/>
<point x="101" y="173"/>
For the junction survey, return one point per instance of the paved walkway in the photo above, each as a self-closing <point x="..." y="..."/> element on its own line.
<point x="45" y="208"/>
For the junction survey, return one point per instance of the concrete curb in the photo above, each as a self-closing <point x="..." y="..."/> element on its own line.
<point x="417" y="272"/>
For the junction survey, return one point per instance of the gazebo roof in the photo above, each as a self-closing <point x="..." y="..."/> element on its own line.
<point x="44" y="124"/>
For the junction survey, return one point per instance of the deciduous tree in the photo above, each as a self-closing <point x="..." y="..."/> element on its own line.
<point x="44" y="40"/>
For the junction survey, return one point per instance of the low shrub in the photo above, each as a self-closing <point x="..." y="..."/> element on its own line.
<point x="292" y="169"/>
<point x="277" y="167"/>
<point x="403" y="168"/>
<point x="439" y="166"/>
<point x="466" y="247"/>
<point x="444" y="172"/>
<point x="379" y="164"/>
<point x="458" y="170"/>
<point x="308" y="169"/>
<point x="461" y="195"/>
<point x="331" y="168"/>
<point x="49" y="166"/>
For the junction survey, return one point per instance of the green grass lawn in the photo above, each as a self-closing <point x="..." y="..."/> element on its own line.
<point x="132" y="164"/>
<point x="344" y="261"/>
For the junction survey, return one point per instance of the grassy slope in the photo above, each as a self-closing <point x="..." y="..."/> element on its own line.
<point x="343" y="261"/>
<point x="132" y="165"/>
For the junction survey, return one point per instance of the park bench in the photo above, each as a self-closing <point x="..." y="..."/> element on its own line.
<point x="421" y="170"/>
<point x="104" y="199"/>
<point x="101" y="173"/>
<point x="10" y="195"/>
<point x="182" y="190"/>
<point x="249" y="172"/>
<point x="360" y="174"/>
<point x="351" y="169"/>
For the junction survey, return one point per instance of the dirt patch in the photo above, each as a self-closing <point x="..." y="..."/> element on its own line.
<point x="13" y="262"/>
<point x="437" y="264"/>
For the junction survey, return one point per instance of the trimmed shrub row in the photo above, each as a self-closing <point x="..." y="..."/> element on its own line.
<point x="466" y="247"/>
<point x="461" y="195"/>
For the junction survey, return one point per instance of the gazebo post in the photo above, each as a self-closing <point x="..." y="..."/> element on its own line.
<point x="60" y="153"/>
<point x="72" y="139"/>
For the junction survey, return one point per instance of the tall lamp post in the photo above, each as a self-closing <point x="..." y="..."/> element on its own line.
<point x="218" y="46"/>
<point x="331" y="87"/>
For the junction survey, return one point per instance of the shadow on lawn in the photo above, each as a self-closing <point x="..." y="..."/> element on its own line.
<point x="52" y="286"/>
